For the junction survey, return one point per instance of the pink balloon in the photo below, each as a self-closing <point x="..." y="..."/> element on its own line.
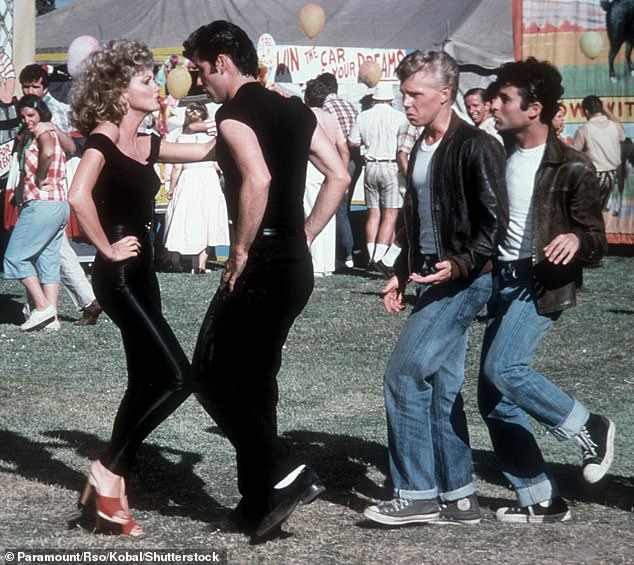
<point x="78" y="50"/>
<point x="370" y="73"/>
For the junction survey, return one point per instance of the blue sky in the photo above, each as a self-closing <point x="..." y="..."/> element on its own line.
<point x="63" y="3"/>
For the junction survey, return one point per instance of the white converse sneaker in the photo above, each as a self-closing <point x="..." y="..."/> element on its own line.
<point x="39" y="318"/>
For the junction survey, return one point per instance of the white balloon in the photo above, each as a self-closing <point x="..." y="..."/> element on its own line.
<point x="591" y="44"/>
<point x="78" y="50"/>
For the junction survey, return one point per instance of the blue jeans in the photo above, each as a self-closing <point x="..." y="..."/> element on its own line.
<point x="428" y="438"/>
<point x="509" y="388"/>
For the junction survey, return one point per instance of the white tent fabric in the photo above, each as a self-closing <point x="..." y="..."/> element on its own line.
<point x="473" y="31"/>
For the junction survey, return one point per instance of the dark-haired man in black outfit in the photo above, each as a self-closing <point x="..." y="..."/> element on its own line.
<point x="264" y="143"/>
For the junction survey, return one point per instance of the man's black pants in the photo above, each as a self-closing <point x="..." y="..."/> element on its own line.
<point x="238" y="356"/>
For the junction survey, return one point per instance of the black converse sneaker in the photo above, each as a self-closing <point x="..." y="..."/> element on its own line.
<point x="555" y="510"/>
<point x="400" y="511"/>
<point x="597" y="445"/>
<point x="463" y="511"/>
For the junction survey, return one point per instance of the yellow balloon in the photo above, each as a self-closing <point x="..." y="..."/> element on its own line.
<point x="370" y="73"/>
<point x="311" y="19"/>
<point x="591" y="44"/>
<point x="179" y="81"/>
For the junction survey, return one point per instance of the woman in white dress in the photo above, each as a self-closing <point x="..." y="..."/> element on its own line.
<point x="196" y="217"/>
<point x="322" y="249"/>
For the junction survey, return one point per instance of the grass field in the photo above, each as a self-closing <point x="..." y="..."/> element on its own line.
<point x="59" y="392"/>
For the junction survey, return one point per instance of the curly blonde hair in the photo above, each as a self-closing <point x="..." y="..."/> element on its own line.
<point x="95" y="96"/>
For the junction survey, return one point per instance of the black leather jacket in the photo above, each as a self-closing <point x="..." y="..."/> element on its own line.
<point x="565" y="199"/>
<point x="468" y="198"/>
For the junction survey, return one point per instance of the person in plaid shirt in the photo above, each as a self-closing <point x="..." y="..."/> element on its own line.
<point x="346" y="115"/>
<point x="32" y="255"/>
<point x="344" y="111"/>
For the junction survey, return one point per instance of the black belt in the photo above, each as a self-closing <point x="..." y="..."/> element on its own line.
<point x="281" y="231"/>
<point x="521" y="269"/>
<point x="380" y="160"/>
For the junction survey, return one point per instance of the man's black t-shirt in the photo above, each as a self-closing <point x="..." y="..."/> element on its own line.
<point x="284" y="128"/>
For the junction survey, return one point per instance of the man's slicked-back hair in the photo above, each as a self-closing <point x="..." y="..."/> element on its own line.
<point x="439" y="64"/>
<point x="536" y="81"/>
<point x="222" y="37"/>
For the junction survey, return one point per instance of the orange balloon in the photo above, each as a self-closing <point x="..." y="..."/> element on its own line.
<point x="311" y="19"/>
<point x="370" y="73"/>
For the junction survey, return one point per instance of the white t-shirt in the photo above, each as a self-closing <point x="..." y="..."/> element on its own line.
<point x="420" y="181"/>
<point x="521" y="168"/>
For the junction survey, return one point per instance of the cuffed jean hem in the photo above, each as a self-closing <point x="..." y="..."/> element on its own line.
<point x="459" y="493"/>
<point x="573" y="423"/>
<point x="536" y="493"/>
<point x="430" y="494"/>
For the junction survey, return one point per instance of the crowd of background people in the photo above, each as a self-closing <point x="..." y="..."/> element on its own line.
<point x="372" y="138"/>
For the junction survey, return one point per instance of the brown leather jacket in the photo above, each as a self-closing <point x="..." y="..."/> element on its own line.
<point x="469" y="202"/>
<point x="565" y="199"/>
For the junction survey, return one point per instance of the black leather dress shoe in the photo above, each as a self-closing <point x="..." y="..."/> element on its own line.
<point x="305" y="488"/>
<point x="246" y="516"/>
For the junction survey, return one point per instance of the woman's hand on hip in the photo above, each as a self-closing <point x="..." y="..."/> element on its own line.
<point x="126" y="248"/>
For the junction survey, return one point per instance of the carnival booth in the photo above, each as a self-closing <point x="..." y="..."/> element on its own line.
<point x="360" y="42"/>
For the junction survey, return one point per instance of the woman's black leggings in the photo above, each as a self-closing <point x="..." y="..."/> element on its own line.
<point x="157" y="366"/>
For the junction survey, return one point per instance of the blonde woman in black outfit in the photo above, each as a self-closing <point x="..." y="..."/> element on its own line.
<point x="112" y="196"/>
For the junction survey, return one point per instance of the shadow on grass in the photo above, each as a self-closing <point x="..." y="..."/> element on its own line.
<point x="170" y="486"/>
<point x="157" y="483"/>
<point x="342" y="462"/>
<point x="612" y="491"/>
<point x="11" y="309"/>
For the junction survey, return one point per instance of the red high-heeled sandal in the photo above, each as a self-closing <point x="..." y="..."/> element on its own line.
<point x="113" y="514"/>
